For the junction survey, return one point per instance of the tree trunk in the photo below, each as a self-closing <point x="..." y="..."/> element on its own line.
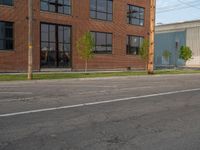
<point x="86" y="65"/>
<point x="146" y="64"/>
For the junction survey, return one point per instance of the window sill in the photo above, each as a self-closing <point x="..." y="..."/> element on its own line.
<point x="60" y="14"/>
<point x="99" y="54"/>
<point x="7" y="51"/>
<point x="136" y="25"/>
<point x="6" y="6"/>
<point x="132" y="55"/>
<point x="101" y="20"/>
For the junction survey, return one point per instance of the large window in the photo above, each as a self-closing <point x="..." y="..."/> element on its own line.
<point x="6" y="2"/>
<point x="133" y="44"/>
<point x="103" y="42"/>
<point x="55" y="45"/>
<point x="101" y="9"/>
<point x="57" y="6"/>
<point x="135" y="15"/>
<point x="6" y="35"/>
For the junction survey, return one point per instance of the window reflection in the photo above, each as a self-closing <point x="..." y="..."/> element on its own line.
<point x="135" y="15"/>
<point x="55" y="45"/>
<point x="101" y="9"/>
<point x="133" y="44"/>
<point x="57" y="6"/>
<point x="103" y="42"/>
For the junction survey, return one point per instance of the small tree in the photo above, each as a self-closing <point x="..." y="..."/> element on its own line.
<point x="166" y="54"/>
<point x="185" y="53"/>
<point x="144" y="51"/>
<point x="85" y="47"/>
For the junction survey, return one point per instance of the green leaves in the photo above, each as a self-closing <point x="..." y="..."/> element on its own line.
<point x="85" y="46"/>
<point x="185" y="53"/>
<point x="144" y="50"/>
<point x="166" y="54"/>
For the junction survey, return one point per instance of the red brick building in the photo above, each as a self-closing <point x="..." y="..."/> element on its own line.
<point x="118" y="27"/>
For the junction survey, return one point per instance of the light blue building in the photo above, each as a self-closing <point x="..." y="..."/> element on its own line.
<point x="171" y="37"/>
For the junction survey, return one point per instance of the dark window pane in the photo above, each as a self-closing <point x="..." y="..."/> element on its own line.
<point x="44" y="32"/>
<point x="6" y="35"/>
<point x="101" y="15"/>
<point x="60" y="9"/>
<point x="135" y="15"/>
<point x="57" y="6"/>
<point x="58" y="42"/>
<point x="92" y="14"/>
<point x="110" y="7"/>
<point x="141" y="22"/>
<point x="52" y="33"/>
<point x="101" y="38"/>
<point x="60" y="2"/>
<point x="1" y="44"/>
<point x="61" y="47"/>
<point x="8" y="44"/>
<point x="52" y="8"/>
<point x="67" y="2"/>
<point x="44" y="6"/>
<point x="67" y="37"/>
<point x="133" y="44"/>
<point x="9" y="33"/>
<point x="101" y="5"/>
<point x="109" y="39"/>
<point x="109" y="17"/>
<point x="2" y="30"/>
<point x="6" y="2"/>
<point x="60" y="34"/>
<point x="101" y="9"/>
<point x="67" y="10"/>
<point x="67" y="47"/>
<point x="93" y="5"/>
<point x="103" y="42"/>
<point x="44" y="46"/>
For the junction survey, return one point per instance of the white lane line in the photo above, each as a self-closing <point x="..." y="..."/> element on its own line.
<point x="96" y="103"/>
<point x="17" y="99"/>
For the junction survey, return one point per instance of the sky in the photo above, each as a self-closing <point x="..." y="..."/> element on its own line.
<point x="171" y="11"/>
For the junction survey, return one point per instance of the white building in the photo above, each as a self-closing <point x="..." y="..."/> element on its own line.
<point x="172" y="36"/>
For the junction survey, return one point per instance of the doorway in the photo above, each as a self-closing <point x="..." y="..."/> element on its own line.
<point x="55" y="46"/>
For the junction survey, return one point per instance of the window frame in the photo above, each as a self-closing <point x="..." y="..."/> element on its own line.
<point x="3" y="4"/>
<point x="56" y="5"/>
<point x="4" y="39"/>
<point x="96" y="11"/>
<point x="105" y="52"/>
<point x="128" y="45"/>
<point x="129" y="17"/>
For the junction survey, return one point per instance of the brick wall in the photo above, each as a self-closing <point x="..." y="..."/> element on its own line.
<point x="81" y="22"/>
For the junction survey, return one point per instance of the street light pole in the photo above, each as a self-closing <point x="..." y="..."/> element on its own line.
<point x="151" y="37"/>
<point x="30" y="38"/>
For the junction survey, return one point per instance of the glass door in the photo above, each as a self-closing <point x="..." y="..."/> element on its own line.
<point x="55" y="46"/>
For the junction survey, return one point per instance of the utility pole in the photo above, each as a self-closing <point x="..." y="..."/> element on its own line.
<point x="30" y="38"/>
<point x="151" y="37"/>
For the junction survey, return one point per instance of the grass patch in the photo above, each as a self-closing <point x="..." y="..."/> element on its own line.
<point x="51" y="76"/>
<point x="172" y="71"/>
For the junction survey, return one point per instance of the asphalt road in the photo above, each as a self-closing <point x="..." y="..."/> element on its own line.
<point x="128" y="113"/>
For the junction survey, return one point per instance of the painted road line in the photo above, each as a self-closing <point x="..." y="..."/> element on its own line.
<point x="96" y="103"/>
<point x="17" y="99"/>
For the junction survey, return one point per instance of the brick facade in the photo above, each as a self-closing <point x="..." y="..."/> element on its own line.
<point x="81" y="22"/>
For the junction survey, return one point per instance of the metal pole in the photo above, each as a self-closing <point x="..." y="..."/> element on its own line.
<point x="151" y="37"/>
<point x="30" y="38"/>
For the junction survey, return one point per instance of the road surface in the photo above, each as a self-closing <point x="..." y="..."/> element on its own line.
<point x="123" y="113"/>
